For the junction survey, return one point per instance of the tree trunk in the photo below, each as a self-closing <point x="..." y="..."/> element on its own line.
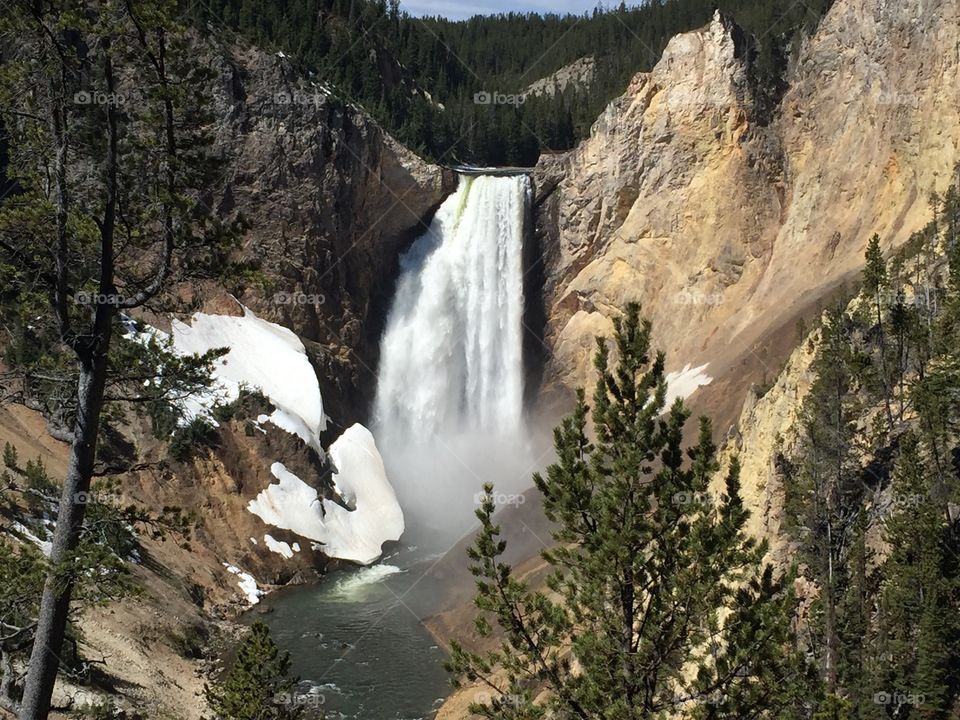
<point x="883" y="364"/>
<point x="55" y="602"/>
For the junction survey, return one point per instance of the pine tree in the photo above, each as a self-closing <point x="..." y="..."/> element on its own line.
<point x="919" y="650"/>
<point x="824" y="500"/>
<point x="644" y="563"/>
<point x="107" y="124"/>
<point x="875" y="282"/>
<point x="854" y="634"/>
<point x="257" y="686"/>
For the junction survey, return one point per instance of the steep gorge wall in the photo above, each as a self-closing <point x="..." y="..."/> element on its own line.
<point x="332" y="199"/>
<point x="728" y="230"/>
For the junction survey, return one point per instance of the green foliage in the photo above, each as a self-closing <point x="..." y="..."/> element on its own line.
<point x="97" y="567"/>
<point x="833" y="708"/>
<point x="877" y="460"/>
<point x="68" y="197"/>
<point x="918" y="643"/>
<point x="191" y="439"/>
<point x="40" y="488"/>
<point x="10" y="459"/>
<point x="250" y="402"/>
<point x="22" y="572"/>
<point x="875" y="269"/>
<point x="657" y="595"/>
<point x="257" y="686"/>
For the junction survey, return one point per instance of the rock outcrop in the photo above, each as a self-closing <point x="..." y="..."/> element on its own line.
<point x="579" y="74"/>
<point x="728" y="229"/>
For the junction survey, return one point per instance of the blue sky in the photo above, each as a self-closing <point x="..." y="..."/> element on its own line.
<point x="458" y="10"/>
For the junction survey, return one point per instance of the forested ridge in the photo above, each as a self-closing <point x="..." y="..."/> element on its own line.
<point x="872" y="488"/>
<point x="420" y="76"/>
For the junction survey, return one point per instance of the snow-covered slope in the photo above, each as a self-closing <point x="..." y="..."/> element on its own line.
<point x="355" y="533"/>
<point x="273" y="360"/>
<point x="262" y="355"/>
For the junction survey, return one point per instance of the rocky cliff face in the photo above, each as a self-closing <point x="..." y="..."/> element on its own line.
<point x="577" y="75"/>
<point x="332" y="199"/>
<point x="726" y="229"/>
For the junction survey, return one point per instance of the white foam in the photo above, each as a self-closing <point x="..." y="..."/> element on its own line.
<point x="365" y="577"/>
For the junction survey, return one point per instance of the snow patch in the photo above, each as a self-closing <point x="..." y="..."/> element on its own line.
<point x="278" y="546"/>
<point x="265" y="356"/>
<point x="683" y="383"/>
<point x="356" y="532"/>
<point x="45" y="545"/>
<point x="248" y="586"/>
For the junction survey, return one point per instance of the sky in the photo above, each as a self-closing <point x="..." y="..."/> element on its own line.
<point x="459" y="10"/>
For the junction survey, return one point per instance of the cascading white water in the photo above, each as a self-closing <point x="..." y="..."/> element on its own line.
<point x="451" y="354"/>
<point x="449" y="398"/>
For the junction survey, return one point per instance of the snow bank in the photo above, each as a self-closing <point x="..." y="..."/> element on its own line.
<point x="45" y="546"/>
<point x="278" y="546"/>
<point x="248" y="586"/>
<point x="356" y="532"/>
<point x="683" y="383"/>
<point x="272" y="359"/>
<point x="262" y="355"/>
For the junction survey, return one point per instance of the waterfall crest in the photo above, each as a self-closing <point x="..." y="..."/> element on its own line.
<point x="449" y="396"/>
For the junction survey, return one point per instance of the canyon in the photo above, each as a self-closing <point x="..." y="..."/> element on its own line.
<point x="728" y="226"/>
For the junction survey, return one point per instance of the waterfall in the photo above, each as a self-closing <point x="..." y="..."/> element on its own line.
<point x="450" y="383"/>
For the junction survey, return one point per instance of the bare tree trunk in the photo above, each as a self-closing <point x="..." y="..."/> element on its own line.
<point x="55" y="602"/>
<point x="92" y="354"/>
